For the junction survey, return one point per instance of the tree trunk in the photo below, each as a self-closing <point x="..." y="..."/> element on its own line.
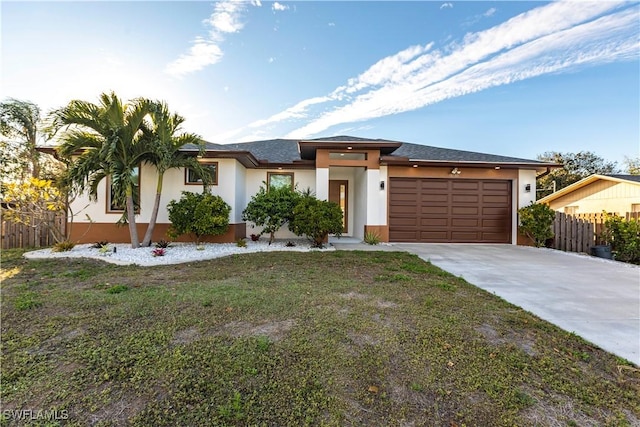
<point x="154" y="214"/>
<point x="131" y="218"/>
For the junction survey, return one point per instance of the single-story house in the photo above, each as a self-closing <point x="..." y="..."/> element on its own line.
<point x="403" y="192"/>
<point x="596" y="193"/>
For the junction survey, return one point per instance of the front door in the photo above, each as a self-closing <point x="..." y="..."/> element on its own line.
<point x="339" y="193"/>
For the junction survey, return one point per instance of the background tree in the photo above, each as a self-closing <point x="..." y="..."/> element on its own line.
<point x="576" y="166"/>
<point x="271" y="209"/>
<point x="164" y="140"/>
<point x="35" y="203"/>
<point x="19" y="121"/>
<point x="104" y="140"/>
<point x="632" y="165"/>
<point x="200" y="214"/>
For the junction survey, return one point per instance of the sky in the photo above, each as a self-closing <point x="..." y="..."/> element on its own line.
<point x="510" y="78"/>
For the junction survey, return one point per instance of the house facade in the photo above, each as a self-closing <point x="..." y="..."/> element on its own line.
<point x="596" y="193"/>
<point x="403" y="192"/>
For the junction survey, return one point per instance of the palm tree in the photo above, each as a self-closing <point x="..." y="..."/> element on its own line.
<point x="106" y="137"/>
<point x="19" y="121"/>
<point x="164" y="141"/>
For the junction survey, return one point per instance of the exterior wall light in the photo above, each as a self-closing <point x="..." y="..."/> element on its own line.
<point x="455" y="171"/>
<point x="527" y="188"/>
<point x="382" y="185"/>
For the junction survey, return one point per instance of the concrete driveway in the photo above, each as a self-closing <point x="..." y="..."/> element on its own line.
<point x="597" y="299"/>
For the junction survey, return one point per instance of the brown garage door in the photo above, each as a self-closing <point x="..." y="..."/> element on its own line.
<point x="449" y="210"/>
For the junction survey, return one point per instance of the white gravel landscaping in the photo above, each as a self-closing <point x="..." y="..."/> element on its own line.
<point x="177" y="253"/>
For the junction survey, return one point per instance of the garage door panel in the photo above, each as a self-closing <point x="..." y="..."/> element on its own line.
<point x="427" y="223"/>
<point x="449" y="210"/>
<point x="433" y="198"/>
<point x="461" y="185"/>
<point x="465" y="222"/>
<point x="432" y="185"/>
<point x="434" y="210"/>
<point x="499" y="186"/>
<point x="464" y="236"/>
<point x="464" y="210"/>
<point x="465" y="198"/>
<point x="498" y="199"/>
<point x="433" y="236"/>
<point x="411" y="222"/>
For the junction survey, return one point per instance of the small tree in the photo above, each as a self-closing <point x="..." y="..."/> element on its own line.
<point x="535" y="222"/>
<point x="271" y="209"/>
<point x="35" y="203"/>
<point x="316" y="219"/>
<point x="200" y="214"/>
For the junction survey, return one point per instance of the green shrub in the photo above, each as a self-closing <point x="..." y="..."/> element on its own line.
<point x="64" y="246"/>
<point x="535" y="222"/>
<point x="241" y="243"/>
<point x="624" y="237"/>
<point x="200" y="214"/>
<point x="271" y="209"/>
<point x="371" y="238"/>
<point x="316" y="219"/>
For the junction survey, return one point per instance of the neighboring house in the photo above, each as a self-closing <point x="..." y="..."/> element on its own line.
<point x="404" y="192"/>
<point x="596" y="193"/>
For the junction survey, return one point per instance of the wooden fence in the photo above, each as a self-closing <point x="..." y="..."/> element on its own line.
<point x="580" y="232"/>
<point x="18" y="235"/>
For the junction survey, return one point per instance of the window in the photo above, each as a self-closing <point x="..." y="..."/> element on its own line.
<point x="278" y="180"/>
<point x="113" y="205"/>
<point x="571" y="210"/>
<point x="348" y="156"/>
<point x="192" y="178"/>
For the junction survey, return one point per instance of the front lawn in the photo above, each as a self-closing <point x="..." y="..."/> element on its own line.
<point x="288" y="339"/>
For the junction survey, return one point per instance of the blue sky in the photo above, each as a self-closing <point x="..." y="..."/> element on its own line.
<point x="510" y="78"/>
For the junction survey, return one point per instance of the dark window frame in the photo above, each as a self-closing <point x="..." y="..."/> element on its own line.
<point x="188" y="171"/>
<point x="111" y="208"/>
<point x="288" y="174"/>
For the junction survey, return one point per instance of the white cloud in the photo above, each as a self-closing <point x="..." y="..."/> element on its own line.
<point x="513" y="51"/>
<point x="271" y="59"/>
<point x="490" y="12"/>
<point x="225" y="19"/>
<point x="447" y="5"/>
<point x="279" y="7"/>
<point x="553" y="38"/>
<point x="331" y="24"/>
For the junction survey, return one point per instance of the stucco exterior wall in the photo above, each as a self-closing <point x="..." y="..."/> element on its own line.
<point x="173" y="186"/>
<point x="600" y="196"/>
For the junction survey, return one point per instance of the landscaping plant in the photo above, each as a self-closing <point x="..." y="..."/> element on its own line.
<point x="316" y="219"/>
<point x="200" y="214"/>
<point x="536" y="221"/>
<point x="271" y="209"/>
<point x="624" y="237"/>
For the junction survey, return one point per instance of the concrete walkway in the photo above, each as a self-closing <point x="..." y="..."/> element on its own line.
<point x="597" y="299"/>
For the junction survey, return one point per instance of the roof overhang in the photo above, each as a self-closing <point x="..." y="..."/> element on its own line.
<point x="245" y="158"/>
<point x="308" y="149"/>
<point x="405" y="161"/>
<point x="583" y="183"/>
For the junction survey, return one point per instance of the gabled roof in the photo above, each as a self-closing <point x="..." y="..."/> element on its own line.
<point x="301" y="152"/>
<point x="630" y="179"/>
